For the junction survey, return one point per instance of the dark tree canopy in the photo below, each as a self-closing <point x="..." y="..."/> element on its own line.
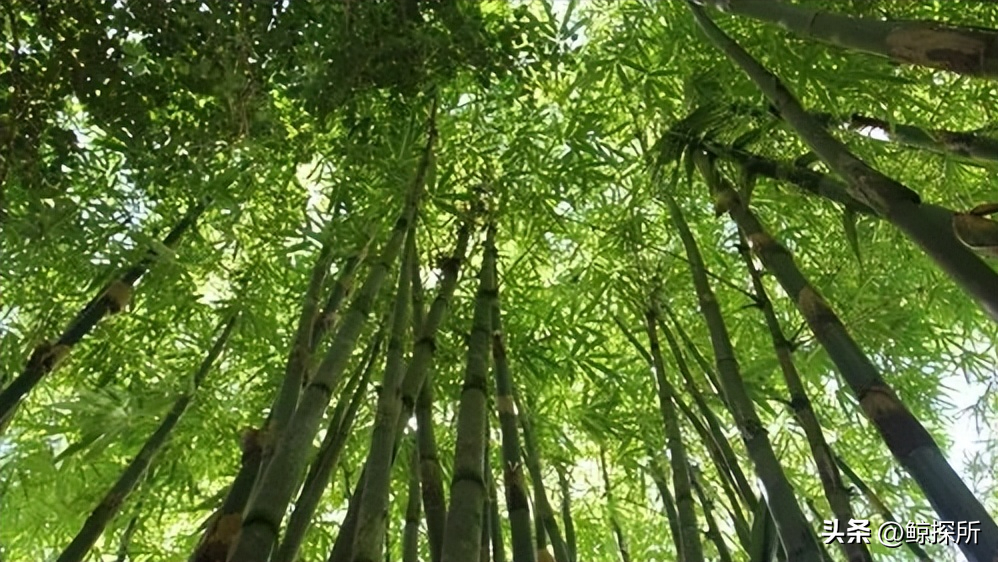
<point x="462" y="280"/>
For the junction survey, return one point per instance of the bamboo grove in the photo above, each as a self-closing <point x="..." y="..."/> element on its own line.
<point x="528" y="281"/>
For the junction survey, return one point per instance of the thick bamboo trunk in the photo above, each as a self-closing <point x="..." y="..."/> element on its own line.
<point x="318" y="477"/>
<point x="924" y="224"/>
<point x="417" y="390"/>
<point x="369" y="543"/>
<point x="300" y="351"/>
<point x="224" y="524"/>
<point x="278" y="481"/>
<point x="907" y="439"/>
<point x="972" y="51"/>
<point x="462" y="534"/>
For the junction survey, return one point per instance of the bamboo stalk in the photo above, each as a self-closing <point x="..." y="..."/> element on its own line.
<point x="924" y="224"/>
<point x="791" y="524"/>
<point x="907" y="439"/>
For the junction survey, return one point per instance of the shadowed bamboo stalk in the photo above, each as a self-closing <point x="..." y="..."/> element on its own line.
<point x="901" y="206"/>
<point x="415" y="379"/>
<point x="337" y="431"/>
<point x="223" y="525"/>
<point x="713" y="532"/>
<point x="566" y="513"/>
<point x="965" y="146"/>
<point x="105" y="511"/>
<point x="974" y="147"/>
<point x="730" y="462"/>
<point x="831" y="482"/>
<point x="517" y="502"/>
<point x="462" y="534"/>
<point x="431" y="475"/>
<point x="495" y="525"/>
<point x="417" y="388"/>
<point x="730" y="472"/>
<point x="113" y="298"/>
<point x="126" y="537"/>
<point x="724" y="471"/>
<point x="542" y="552"/>
<point x="972" y="51"/>
<point x="300" y="351"/>
<point x="410" y="536"/>
<point x="808" y="180"/>
<point x="906" y="437"/>
<point x="277" y="483"/>
<point x="544" y="513"/>
<point x="654" y="469"/>
<point x="430" y="479"/>
<point x="691" y="550"/>
<point x="329" y="316"/>
<point x="791" y="524"/>
<point x="826" y="556"/>
<point x="483" y="550"/>
<point x="369" y="544"/>
<point x="342" y="550"/>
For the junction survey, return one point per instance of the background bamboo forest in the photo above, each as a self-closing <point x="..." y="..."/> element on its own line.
<point x="489" y="281"/>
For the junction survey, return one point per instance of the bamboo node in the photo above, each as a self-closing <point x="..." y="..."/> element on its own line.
<point x="977" y="232"/>
<point x="759" y="241"/>
<point x="878" y="401"/>
<point x="725" y="200"/>
<point x="48" y="356"/>
<point x="813" y="306"/>
<point x="505" y="405"/>
<point x="117" y="296"/>
<point x="938" y="47"/>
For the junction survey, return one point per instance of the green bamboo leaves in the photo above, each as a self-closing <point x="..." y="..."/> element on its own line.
<point x="136" y="470"/>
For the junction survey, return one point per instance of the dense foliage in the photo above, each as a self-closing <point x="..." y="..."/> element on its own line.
<point x="217" y="218"/>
